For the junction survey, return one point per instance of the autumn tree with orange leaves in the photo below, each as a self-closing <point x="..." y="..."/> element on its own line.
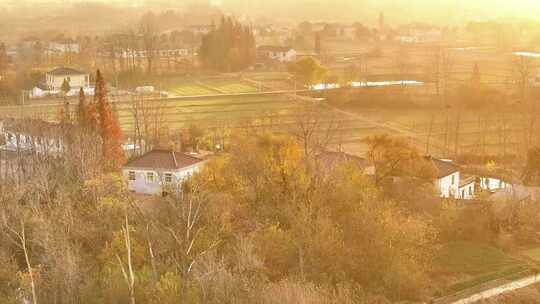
<point x="107" y="126"/>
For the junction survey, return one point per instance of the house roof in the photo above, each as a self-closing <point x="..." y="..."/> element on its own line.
<point x="466" y="180"/>
<point x="331" y="159"/>
<point x="163" y="159"/>
<point x="444" y="167"/>
<point x="274" y="48"/>
<point x="65" y="71"/>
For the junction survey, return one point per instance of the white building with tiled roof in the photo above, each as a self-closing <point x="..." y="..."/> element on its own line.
<point x="76" y="79"/>
<point x="159" y="171"/>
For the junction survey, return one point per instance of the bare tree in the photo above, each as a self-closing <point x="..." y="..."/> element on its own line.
<point x="148" y="120"/>
<point x="149" y="30"/>
<point x="523" y="68"/>
<point x="315" y="127"/>
<point x="128" y="274"/>
<point x="19" y="237"/>
<point x="440" y="68"/>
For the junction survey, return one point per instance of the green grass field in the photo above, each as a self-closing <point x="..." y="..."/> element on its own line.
<point x="184" y="87"/>
<point x="232" y="87"/>
<point x="190" y="89"/>
<point x="533" y="254"/>
<point x="477" y="264"/>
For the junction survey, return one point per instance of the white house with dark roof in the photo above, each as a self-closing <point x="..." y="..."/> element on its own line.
<point x="155" y="172"/>
<point x="450" y="182"/>
<point x="76" y="79"/>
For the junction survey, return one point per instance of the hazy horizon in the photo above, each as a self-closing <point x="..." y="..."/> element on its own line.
<point x="439" y="12"/>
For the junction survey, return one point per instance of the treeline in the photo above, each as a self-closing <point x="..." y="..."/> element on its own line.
<point x="263" y="224"/>
<point x="229" y="48"/>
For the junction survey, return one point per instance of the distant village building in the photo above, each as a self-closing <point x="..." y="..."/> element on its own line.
<point x="271" y="35"/>
<point x="278" y="53"/>
<point x="32" y="136"/>
<point x="62" y="46"/>
<point x="158" y="171"/>
<point x="348" y="32"/>
<point x="29" y="42"/>
<point x="76" y="79"/>
<point x="201" y="29"/>
<point x="419" y="34"/>
<point x="142" y="54"/>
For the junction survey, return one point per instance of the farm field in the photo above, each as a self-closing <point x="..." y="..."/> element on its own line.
<point x="278" y="112"/>
<point x="475" y="264"/>
<point x="232" y="87"/>
<point x="480" y="131"/>
<point x="176" y="113"/>
<point x="497" y="67"/>
<point x="190" y="89"/>
<point x="209" y="87"/>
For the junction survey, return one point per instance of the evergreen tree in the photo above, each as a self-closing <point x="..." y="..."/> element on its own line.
<point x="82" y="109"/>
<point x="65" y="87"/>
<point x="229" y="48"/>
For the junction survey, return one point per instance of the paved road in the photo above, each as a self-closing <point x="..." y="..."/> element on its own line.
<point x="500" y="290"/>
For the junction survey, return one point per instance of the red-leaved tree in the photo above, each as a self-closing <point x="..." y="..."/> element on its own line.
<point x="108" y="128"/>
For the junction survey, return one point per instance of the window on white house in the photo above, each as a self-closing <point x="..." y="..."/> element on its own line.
<point x="168" y="178"/>
<point x="132" y="176"/>
<point x="453" y="179"/>
<point x="150" y="177"/>
<point x="470" y="190"/>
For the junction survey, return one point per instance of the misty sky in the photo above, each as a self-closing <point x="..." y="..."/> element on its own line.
<point x="405" y="10"/>
<point x="438" y="11"/>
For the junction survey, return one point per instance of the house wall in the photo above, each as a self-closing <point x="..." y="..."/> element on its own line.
<point x="54" y="82"/>
<point x="466" y="192"/>
<point x="492" y="184"/>
<point x="448" y="188"/>
<point x="142" y="186"/>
